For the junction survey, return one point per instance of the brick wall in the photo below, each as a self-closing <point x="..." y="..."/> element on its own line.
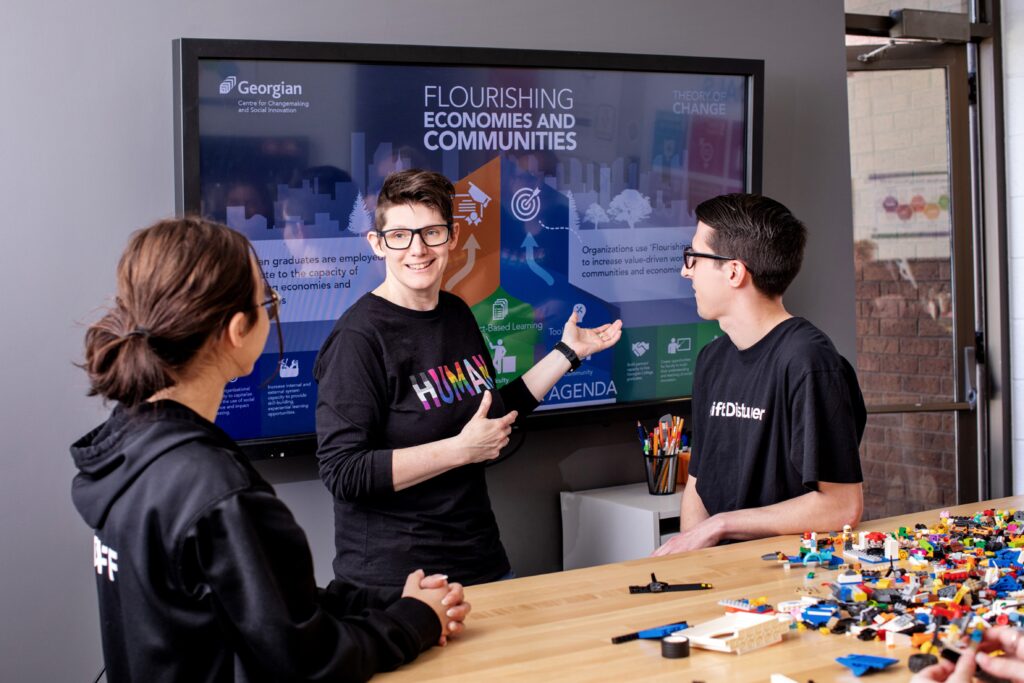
<point x="905" y="355"/>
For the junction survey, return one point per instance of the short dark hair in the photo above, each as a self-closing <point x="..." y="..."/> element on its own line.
<point x="179" y="282"/>
<point x="760" y="232"/>
<point x="415" y="186"/>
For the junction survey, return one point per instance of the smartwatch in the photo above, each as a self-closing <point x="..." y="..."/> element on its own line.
<point x="570" y="355"/>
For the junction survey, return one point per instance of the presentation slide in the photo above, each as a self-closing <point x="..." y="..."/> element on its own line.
<point x="575" y="191"/>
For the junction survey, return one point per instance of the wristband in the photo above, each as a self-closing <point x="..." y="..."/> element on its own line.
<point x="570" y="355"/>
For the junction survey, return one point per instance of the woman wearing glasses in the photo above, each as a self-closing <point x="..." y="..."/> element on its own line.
<point x="408" y="413"/>
<point x="202" y="572"/>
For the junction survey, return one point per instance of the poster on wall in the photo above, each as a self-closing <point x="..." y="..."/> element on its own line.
<point x="909" y="215"/>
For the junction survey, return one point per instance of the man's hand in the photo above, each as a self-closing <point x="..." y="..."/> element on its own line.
<point x="703" y="535"/>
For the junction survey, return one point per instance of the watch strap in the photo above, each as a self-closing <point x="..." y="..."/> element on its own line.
<point x="570" y="355"/>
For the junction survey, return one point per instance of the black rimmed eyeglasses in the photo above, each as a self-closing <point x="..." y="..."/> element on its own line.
<point x="272" y="304"/>
<point x="689" y="255"/>
<point x="401" y="238"/>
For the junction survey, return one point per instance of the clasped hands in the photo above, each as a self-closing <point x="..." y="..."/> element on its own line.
<point x="448" y="600"/>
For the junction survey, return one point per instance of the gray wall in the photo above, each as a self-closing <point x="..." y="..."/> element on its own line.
<point x="86" y="125"/>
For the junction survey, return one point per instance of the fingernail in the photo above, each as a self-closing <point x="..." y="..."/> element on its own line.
<point x="450" y="613"/>
<point x="445" y="601"/>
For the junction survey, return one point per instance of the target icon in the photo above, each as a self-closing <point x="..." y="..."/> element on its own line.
<point x="526" y="204"/>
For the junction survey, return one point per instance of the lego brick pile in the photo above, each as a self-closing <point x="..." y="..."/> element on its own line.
<point x="923" y="587"/>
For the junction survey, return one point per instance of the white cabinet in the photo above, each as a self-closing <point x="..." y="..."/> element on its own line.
<point x="615" y="524"/>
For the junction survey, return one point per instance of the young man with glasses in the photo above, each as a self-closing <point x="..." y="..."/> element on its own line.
<point x="407" y="412"/>
<point x="777" y="412"/>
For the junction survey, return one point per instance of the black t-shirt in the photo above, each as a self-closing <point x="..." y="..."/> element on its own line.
<point x="773" y="420"/>
<point x="391" y="377"/>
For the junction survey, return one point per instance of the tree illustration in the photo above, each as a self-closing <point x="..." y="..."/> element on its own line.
<point x="630" y="206"/>
<point x="574" y="214"/>
<point x="595" y="214"/>
<point x="360" y="221"/>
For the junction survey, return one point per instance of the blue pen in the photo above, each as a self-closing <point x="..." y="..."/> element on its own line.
<point x="651" y="633"/>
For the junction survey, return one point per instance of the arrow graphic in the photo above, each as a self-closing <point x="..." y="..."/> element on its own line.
<point x="471" y="248"/>
<point x="530" y="244"/>
<point x="572" y="232"/>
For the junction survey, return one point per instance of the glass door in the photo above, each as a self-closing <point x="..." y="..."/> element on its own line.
<point x="914" y="265"/>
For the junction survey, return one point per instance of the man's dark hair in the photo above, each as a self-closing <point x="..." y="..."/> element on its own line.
<point x="415" y="186"/>
<point x="760" y="232"/>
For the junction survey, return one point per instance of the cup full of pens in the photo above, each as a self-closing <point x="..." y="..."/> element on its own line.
<point x="662" y="448"/>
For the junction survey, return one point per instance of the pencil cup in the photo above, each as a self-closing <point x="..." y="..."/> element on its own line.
<point x="683" y="469"/>
<point x="661" y="474"/>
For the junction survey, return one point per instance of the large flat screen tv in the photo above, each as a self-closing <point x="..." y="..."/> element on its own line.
<point x="576" y="179"/>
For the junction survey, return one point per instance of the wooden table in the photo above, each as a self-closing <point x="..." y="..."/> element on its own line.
<point x="557" y="627"/>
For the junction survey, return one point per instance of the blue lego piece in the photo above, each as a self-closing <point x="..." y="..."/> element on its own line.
<point x="1007" y="557"/>
<point x="831" y="563"/>
<point x="661" y="631"/>
<point x="818" y="615"/>
<point x="1006" y="584"/>
<point x="862" y="664"/>
<point x="845" y="593"/>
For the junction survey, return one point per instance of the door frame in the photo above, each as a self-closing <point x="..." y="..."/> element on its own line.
<point x="970" y="472"/>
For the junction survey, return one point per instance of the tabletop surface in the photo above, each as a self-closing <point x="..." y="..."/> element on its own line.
<point x="559" y="626"/>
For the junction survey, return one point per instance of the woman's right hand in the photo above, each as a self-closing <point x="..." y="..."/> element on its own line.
<point x="483" y="438"/>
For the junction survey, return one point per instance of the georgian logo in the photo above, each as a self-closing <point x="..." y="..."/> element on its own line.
<point x="275" y="90"/>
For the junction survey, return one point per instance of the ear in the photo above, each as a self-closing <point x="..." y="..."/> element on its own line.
<point x="453" y="241"/>
<point x="374" y="239"/>
<point x="738" y="273"/>
<point x="237" y="330"/>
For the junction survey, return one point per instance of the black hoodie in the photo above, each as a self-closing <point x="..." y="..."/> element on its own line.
<point x="203" y="573"/>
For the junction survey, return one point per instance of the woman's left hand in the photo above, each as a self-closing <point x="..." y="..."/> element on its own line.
<point x="588" y="341"/>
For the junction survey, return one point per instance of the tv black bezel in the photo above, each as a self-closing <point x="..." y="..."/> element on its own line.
<point x="188" y="52"/>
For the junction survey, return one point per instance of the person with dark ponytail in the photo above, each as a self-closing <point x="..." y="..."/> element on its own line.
<point x="202" y="572"/>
